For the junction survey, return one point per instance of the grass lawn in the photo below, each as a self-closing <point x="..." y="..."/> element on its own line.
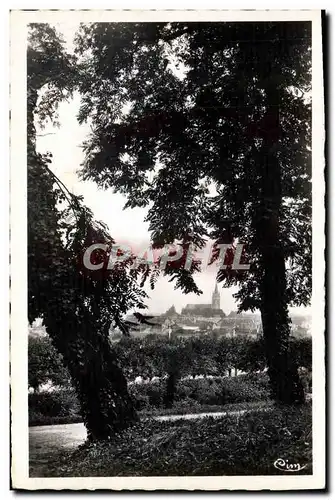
<point x="230" y="445"/>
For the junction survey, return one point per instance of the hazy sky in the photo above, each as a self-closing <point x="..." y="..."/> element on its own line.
<point x="125" y="226"/>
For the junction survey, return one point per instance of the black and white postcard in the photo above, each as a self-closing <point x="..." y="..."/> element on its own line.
<point x="167" y="250"/>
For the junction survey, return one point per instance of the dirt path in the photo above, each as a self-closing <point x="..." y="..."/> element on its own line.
<point x="49" y="443"/>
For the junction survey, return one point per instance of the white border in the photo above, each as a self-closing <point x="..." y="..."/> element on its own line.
<point x="19" y="21"/>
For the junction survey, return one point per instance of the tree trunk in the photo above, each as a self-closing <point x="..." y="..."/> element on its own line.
<point x="284" y="378"/>
<point x="101" y="387"/>
<point x="78" y="333"/>
<point x="81" y="338"/>
<point x="171" y="386"/>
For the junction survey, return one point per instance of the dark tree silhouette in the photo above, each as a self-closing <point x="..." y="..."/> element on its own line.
<point x="176" y="108"/>
<point x="76" y="308"/>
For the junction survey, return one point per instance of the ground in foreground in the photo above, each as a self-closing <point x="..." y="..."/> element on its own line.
<point x="232" y="445"/>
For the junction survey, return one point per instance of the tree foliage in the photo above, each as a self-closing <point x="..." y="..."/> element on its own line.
<point x="158" y="357"/>
<point x="161" y="135"/>
<point x="77" y="307"/>
<point x="177" y="108"/>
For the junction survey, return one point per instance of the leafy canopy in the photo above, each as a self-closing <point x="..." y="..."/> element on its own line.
<point x="181" y="123"/>
<point x="60" y="226"/>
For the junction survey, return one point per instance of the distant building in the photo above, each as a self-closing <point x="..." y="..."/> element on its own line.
<point x="171" y="313"/>
<point x="205" y="310"/>
<point x="216" y="298"/>
<point x="195" y="307"/>
<point x="209" y="319"/>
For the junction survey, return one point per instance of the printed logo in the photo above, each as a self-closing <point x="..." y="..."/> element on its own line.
<point x="287" y="466"/>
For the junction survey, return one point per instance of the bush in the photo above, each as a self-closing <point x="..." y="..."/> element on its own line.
<point x="194" y="392"/>
<point x="155" y="396"/>
<point x="184" y="405"/>
<point x="56" y="404"/>
<point x="202" y="391"/>
<point x="226" y="390"/>
<point x="244" y="389"/>
<point x="146" y="395"/>
<point x="141" y="402"/>
<point x="301" y="351"/>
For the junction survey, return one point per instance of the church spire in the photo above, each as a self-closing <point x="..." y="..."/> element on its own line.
<point x="216" y="298"/>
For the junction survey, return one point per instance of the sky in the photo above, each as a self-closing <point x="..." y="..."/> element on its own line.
<point x="126" y="226"/>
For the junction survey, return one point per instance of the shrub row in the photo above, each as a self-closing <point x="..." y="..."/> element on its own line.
<point x="62" y="406"/>
<point x="199" y="392"/>
<point x="151" y="357"/>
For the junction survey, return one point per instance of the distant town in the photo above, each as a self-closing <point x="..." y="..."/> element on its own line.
<point x="198" y="320"/>
<point x="208" y="319"/>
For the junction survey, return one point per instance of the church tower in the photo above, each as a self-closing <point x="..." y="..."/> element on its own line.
<point x="216" y="298"/>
